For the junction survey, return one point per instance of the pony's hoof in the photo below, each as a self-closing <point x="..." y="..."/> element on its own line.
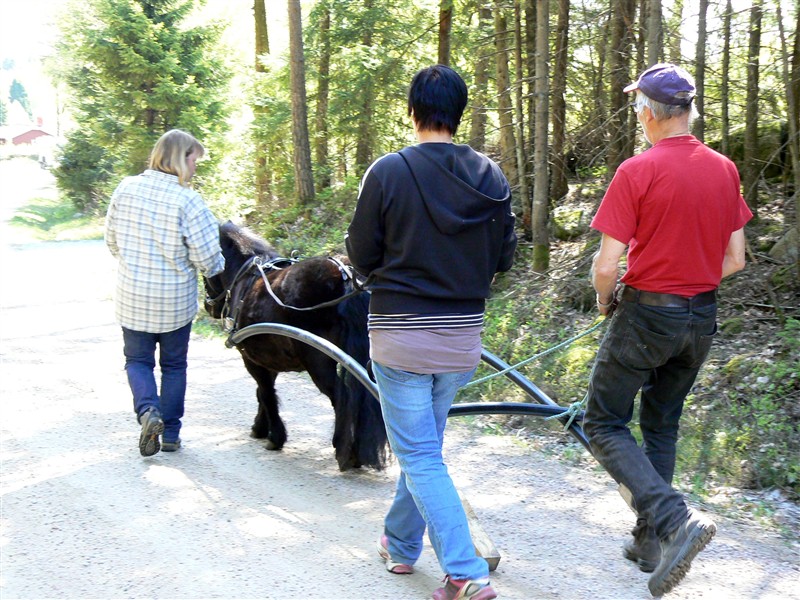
<point x="270" y="445"/>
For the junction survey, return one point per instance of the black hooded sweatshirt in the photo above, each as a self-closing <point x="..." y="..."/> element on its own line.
<point x="432" y="226"/>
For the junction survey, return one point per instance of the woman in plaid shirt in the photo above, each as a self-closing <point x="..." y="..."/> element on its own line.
<point x="161" y="233"/>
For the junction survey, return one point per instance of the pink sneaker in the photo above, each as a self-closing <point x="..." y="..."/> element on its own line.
<point x="466" y="589"/>
<point x="391" y="566"/>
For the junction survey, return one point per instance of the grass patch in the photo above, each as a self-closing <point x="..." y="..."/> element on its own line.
<point x="55" y="219"/>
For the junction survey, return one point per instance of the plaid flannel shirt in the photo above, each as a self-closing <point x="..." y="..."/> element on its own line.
<point x="161" y="233"/>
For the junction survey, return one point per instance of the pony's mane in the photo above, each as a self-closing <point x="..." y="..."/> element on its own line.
<point x="247" y="242"/>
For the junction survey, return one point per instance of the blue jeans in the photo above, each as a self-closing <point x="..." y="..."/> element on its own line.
<point x="140" y="350"/>
<point x="658" y="351"/>
<point x="415" y="408"/>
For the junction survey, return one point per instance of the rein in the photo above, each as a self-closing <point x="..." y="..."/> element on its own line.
<point x="264" y="266"/>
<point x="346" y="272"/>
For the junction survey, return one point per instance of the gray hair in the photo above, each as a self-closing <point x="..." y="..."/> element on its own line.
<point x="663" y="111"/>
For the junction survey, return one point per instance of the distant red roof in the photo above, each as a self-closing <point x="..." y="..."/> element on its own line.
<point x="28" y="136"/>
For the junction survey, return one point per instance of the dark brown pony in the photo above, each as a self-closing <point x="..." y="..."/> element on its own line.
<point x="240" y="294"/>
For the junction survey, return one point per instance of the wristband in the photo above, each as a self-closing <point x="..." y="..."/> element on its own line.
<point x="604" y="304"/>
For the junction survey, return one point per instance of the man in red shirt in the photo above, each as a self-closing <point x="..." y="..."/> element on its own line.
<point x="678" y="209"/>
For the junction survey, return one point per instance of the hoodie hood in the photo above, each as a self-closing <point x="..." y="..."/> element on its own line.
<point x="463" y="189"/>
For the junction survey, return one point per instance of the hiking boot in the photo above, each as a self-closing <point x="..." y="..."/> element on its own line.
<point x="644" y="549"/>
<point x="152" y="427"/>
<point x="468" y="589"/>
<point x="391" y="566"/>
<point x="170" y="446"/>
<point x="678" y="550"/>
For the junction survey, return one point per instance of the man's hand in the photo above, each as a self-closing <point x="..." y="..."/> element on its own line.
<point x="607" y="306"/>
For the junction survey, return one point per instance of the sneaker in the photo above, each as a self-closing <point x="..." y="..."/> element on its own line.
<point x="678" y="550"/>
<point x="644" y="549"/>
<point x="468" y="589"/>
<point x="152" y="427"/>
<point x="391" y="566"/>
<point x="170" y="446"/>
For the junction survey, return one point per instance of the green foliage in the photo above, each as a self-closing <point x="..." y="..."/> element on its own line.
<point x="85" y="172"/>
<point x="317" y="230"/>
<point x="17" y="93"/>
<point x="743" y="426"/>
<point x="136" y="70"/>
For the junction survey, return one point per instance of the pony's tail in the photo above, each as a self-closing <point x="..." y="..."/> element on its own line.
<point x="360" y="435"/>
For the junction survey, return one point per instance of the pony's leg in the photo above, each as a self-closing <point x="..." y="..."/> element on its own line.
<point x="322" y="371"/>
<point x="268" y="423"/>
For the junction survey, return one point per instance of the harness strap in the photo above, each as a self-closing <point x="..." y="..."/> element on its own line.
<point x="346" y="272"/>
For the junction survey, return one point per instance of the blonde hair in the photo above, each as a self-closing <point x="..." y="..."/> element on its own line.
<point x="171" y="151"/>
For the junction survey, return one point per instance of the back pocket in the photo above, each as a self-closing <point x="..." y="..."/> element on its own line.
<point x="645" y="349"/>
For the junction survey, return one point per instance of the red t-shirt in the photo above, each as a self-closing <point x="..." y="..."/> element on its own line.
<point x="676" y="206"/>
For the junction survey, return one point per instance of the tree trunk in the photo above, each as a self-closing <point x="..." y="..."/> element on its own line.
<point x="796" y="73"/>
<point x="262" y="34"/>
<point x="530" y="70"/>
<point x="323" y="91"/>
<point x="559" y="186"/>
<point x="699" y="125"/>
<point x="508" y="156"/>
<point x="724" y="75"/>
<point x="304" y="176"/>
<point x="445" y="24"/>
<point x="794" y="141"/>
<point x="263" y="181"/>
<point x="541" y="187"/>
<point x="364" y="139"/>
<point x="621" y="134"/>
<point x="751" y="174"/>
<point x="522" y="156"/>
<point x="655" y="33"/>
<point x="477" y="132"/>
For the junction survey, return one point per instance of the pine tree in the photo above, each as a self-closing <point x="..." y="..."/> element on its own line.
<point x="136" y="70"/>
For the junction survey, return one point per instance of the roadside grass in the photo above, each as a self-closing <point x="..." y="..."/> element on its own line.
<point x="55" y="219"/>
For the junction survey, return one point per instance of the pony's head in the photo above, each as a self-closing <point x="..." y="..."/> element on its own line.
<point x="238" y="244"/>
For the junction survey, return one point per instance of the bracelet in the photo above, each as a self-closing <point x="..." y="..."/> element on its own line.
<point x="604" y="304"/>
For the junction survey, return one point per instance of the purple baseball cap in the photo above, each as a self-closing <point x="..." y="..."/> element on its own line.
<point x="665" y="83"/>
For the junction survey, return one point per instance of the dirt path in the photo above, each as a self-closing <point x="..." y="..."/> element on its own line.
<point x="85" y="516"/>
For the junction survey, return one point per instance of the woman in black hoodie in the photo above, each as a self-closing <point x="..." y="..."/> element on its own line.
<point x="432" y="226"/>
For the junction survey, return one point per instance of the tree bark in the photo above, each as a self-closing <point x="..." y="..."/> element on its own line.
<point x="699" y="125"/>
<point x="262" y="34"/>
<point x="304" y="177"/>
<point x="508" y="156"/>
<point x="621" y="134"/>
<point x="477" y="132"/>
<point x="724" y="75"/>
<point x="263" y="181"/>
<point x="655" y="33"/>
<point x="364" y="139"/>
<point x="751" y="174"/>
<point x="530" y="70"/>
<point x="323" y="92"/>
<point x="559" y="186"/>
<point x="541" y="187"/>
<point x="794" y="141"/>
<point x="445" y="25"/>
<point x="519" y="117"/>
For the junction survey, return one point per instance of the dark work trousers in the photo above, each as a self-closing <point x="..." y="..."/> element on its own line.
<point x="660" y="351"/>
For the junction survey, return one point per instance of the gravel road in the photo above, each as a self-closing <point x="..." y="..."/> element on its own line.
<point x="85" y="516"/>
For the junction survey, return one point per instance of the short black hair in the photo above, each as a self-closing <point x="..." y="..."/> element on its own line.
<point x="437" y="98"/>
